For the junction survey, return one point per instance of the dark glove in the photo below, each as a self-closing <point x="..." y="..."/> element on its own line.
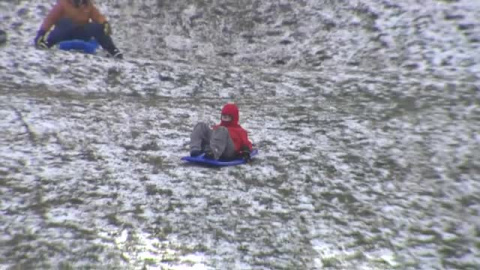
<point x="209" y="154"/>
<point x="107" y="29"/>
<point x="40" y="40"/>
<point x="245" y="153"/>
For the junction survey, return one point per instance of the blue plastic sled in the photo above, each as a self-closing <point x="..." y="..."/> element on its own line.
<point x="79" y="45"/>
<point x="201" y="160"/>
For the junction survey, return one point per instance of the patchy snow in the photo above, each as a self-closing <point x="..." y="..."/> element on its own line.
<point x="366" y="115"/>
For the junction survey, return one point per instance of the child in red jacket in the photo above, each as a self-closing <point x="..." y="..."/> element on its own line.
<point x="225" y="141"/>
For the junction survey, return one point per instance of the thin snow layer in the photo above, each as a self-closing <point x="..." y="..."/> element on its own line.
<point x="366" y="116"/>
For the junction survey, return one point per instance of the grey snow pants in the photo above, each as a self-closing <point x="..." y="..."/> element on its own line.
<point x="203" y="138"/>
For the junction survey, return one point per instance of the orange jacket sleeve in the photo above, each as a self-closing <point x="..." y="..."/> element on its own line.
<point x="97" y="16"/>
<point x="53" y="16"/>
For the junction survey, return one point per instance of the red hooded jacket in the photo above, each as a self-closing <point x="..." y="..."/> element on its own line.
<point x="238" y="135"/>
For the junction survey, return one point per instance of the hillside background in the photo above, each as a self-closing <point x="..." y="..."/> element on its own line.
<point x="366" y="115"/>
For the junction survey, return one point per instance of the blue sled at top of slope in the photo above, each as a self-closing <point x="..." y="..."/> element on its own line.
<point x="79" y="45"/>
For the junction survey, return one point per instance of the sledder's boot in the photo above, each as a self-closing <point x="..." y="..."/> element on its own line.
<point x="209" y="154"/>
<point x="3" y="37"/>
<point x="195" y="153"/>
<point x="116" y="54"/>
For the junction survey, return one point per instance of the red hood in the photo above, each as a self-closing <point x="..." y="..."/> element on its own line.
<point x="232" y="110"/>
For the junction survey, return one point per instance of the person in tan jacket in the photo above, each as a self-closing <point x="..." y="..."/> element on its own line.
<point x="76" y="19"/>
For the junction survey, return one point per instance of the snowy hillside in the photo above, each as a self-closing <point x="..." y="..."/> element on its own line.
<point x="366" y="114"/>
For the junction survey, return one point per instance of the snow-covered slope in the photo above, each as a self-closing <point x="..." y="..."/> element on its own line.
<point x="366" y="114"/>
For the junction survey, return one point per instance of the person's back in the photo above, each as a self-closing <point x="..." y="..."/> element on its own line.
<point x="76" y="19"/>
<point x="80" y="12"/>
